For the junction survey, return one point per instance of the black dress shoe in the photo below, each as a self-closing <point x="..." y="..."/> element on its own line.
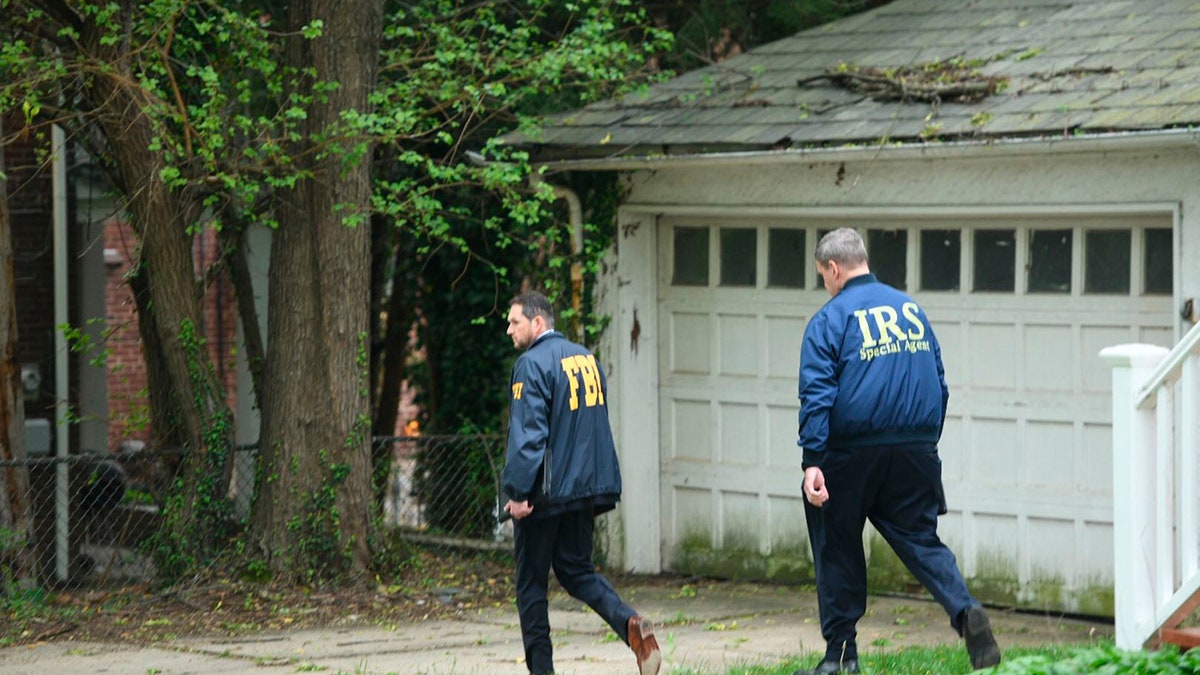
<point x="832" y="667"/>
<point x="981" y="644"/>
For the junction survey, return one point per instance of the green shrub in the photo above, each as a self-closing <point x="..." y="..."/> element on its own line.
<point x="1105" y="659"/>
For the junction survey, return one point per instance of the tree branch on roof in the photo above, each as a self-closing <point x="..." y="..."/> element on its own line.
<point x="935" y="82"/>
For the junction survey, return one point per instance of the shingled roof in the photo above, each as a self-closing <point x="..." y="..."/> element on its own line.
<point x="915" y="71"/>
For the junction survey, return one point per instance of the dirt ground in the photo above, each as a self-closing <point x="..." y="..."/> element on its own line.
<point x="430" y="587"/>
<point x="440" y="616"/>
<point x="438" y="589"/>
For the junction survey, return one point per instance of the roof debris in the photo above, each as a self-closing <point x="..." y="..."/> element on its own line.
<point x="954" y="80"/>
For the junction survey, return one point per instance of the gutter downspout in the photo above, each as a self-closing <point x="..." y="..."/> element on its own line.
<point x="61" y="353"/>
<point x="575" y="218"/>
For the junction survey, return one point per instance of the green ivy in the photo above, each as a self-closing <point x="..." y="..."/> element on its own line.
<point x="319" y="555"/>
<point x="1105" y="659"/>
<point x="197" y="516"/>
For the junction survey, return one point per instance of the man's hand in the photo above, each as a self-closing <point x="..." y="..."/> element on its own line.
<point x="814" y="486"/>
<point x="518" y="510"/>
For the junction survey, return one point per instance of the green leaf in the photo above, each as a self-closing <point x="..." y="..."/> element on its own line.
<point x="313" y="30"/>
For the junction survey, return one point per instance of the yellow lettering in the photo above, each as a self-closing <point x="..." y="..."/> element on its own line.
<point x="885" y="321"/>
<point x="868" y="338"/>
<point x="570" y="366"/>
<point x="910" y="312"/>
<point x="591" y="384"/>
<point x="584" y="366"/>
<point x="517" y="390"/>
<point x="596" y="372"/>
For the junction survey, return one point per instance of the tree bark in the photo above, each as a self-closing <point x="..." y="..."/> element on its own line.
<point x="393" y="351"/>
<point x="15" y="515"/>
<point x="243" y="288"/>
<point x="164" y="413"/>
<point x="186" y="399"/>
<point x="313" y="501"/>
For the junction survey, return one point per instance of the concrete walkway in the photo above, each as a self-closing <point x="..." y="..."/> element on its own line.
<point x="708" y="628"/>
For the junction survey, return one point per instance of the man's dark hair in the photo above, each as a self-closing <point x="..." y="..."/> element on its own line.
<point x="534" y="304"/>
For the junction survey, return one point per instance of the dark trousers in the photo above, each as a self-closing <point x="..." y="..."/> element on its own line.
<point x="564" y="542"/>
<point x="899" y="489"/>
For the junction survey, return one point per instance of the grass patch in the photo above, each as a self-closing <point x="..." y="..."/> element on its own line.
<point x="1051" y="660"/>
<point x="1105" y="659"/>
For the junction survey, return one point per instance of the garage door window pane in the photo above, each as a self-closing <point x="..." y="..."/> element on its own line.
<point x="739" y="253"/>
<point x="1050" y="261"/>
<point x="940" y="259"/>
<point x="1106" y="261"/>
<point x="691" y="256"/>
<point x="820" y="279"/>
<point x="785" y="258"/>
<point x="888" y="253"/>
<point x="1159" y="263"/>
<point x="995" y="260"/>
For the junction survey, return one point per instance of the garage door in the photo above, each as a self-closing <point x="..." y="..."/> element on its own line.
<point x="1021" y="306"/>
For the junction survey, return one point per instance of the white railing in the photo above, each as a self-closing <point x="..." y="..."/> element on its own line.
<point x="1156" y="497"/>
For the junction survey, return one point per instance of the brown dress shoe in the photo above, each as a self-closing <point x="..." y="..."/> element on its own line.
<point x="644" y="646"/>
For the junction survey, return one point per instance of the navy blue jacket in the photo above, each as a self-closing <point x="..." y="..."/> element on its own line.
<point x="561" y="454"/>
<point x="870" y="372"/>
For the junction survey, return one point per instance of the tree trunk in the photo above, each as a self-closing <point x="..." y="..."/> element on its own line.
<point x="15" y="522"/>
<point x="164" y="413"/>
<point x="234" y="238"/>
<point x="186" y="399"/>
<point x="393" y="352"/>
<point x="383" y="251"/>
<point x="314" y="494"/>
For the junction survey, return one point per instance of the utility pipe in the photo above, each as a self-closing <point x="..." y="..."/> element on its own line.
<point x="575" y="218"/>
<point x="58" y="161"/>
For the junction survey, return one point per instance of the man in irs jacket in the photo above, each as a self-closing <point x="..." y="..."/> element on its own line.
<point x="873" y="400"/>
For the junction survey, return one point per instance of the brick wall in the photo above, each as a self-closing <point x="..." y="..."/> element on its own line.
<point x="127" y="401"/>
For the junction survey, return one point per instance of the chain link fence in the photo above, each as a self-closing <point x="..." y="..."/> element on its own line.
<point x="91" y="515"/>
<point x="444" y="489"/>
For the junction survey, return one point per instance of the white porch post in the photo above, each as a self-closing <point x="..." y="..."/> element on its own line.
<point x="1134" y="489"/>
<point x="1188" y="484"/>
<point x="635" y="381"/>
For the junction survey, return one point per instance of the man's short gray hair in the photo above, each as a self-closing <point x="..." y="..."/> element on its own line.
<point x="843" y="246"/>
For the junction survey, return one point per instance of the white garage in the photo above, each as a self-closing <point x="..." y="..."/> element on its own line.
<point x="712" y="286"/>
<point x="1038" y="223"/>
<point x="1026" y="451"/>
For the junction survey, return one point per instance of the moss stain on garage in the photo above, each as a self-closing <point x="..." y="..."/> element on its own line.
<point x="995" y="580"/>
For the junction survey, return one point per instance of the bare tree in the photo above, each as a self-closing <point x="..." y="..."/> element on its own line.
<point x="15" y="524"/>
